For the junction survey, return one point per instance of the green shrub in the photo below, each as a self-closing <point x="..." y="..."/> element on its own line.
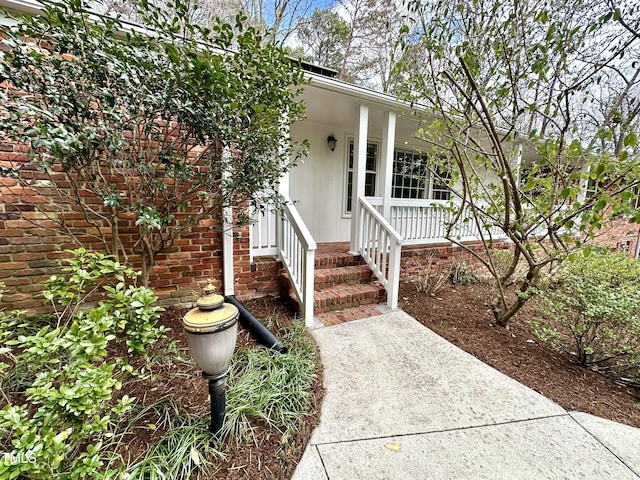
<point x="593" y="313"/>
<point x="461" y="273"/>
<point x="60" y="385"/>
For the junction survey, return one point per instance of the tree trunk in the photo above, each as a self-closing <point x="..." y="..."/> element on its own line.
<point x="503" y="313"/>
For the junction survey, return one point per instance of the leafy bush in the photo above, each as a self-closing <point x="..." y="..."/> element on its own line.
<point x="461" y="273"/>
<point x="593" y="313"/>
<point x="63" y="383"/>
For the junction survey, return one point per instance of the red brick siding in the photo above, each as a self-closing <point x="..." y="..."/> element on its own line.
<point x="619" y="234"/>
<point x="32" y="246"/>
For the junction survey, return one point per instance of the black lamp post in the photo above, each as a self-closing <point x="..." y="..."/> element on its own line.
<point x="212" y="329"/>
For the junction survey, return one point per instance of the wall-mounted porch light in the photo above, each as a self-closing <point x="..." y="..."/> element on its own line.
<point x="332" y="140"/>
<point x="212" y="329"/>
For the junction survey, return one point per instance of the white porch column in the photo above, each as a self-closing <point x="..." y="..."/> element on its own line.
<point x="283" y="183"/>
<point x="585" y="170"/>
<point x="228" y="277"/>
<point x="517" y="166"/>
<point x="359" y="172"/>
<point x="283" y="189"/>
<point x="388" y="140"/>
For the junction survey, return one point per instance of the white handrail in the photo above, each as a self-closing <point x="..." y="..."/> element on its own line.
<point x="380" y="246"/>
<point x="296" y="250"/>
<point x="422" y="222"/>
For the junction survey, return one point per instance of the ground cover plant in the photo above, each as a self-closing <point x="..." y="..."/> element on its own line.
<point x="109" y="390"/>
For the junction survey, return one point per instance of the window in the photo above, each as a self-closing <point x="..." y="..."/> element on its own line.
<point x="591" y="189"/>
<point x="440" y="186"/>
<point x="411" y="172"/>
<point x="410" y="175"/>
<point x="371" y="172"/>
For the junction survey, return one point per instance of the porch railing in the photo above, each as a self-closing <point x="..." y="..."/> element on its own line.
<point x="296" y="250"/>
<point x="425" y="221"/>
<point x="380" y="246"/>
<point x="263" y="234"/>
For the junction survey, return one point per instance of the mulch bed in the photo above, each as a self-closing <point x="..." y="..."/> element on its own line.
<point x="460" y="314"/>
<point x="263" y="459"/>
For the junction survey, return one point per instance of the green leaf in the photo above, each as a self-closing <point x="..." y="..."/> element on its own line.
<point x="631" y="140"/>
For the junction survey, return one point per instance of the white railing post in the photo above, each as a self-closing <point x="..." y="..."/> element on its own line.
<point x="380" y="246"/>
<point x="394" y="275"/>
<point x="296" y="250"/>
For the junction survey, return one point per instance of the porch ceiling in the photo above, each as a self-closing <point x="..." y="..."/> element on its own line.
<point x="335" y="105"/>
<point x="339" y="111"/>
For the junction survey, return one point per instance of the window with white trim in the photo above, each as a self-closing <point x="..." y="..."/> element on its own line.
<point x="410" y="175"/>
<point x="440" y="185"/>
<point x="414" y="178"/>
<point x="371" y="173"/>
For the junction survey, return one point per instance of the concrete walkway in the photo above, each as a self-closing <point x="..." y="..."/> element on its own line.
<point x="403" y="403"/>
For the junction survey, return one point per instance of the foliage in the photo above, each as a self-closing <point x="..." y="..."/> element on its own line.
<point x="432" y="275"/>
<point x="264" y="388"/>
<point x="461" y="273"/>
<point x="533" y="109"/>
<point x="357" y="38"/>
<point x="592" y="313"/>
<point x="324" y="35"/>
<point x="275" y="20"/>
<point x="160" y="127"/>
<point x="60" y="366"/>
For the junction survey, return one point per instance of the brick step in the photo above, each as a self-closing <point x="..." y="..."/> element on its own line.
<point x="336" y="259"/>
<point x="346" y="296"/>
<point x="342" y="315"/>
<point x="331" y="277"/>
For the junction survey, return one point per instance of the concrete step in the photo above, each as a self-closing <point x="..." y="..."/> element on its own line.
<point x="331" y="277"/>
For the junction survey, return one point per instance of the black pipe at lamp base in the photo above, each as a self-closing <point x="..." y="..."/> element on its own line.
<point x="216" y="396"/>
<point x="262" y="335"/>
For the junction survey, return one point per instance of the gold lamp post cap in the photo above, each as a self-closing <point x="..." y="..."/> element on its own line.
<point x="210" y="302"/>
<point x="198" y="320"/>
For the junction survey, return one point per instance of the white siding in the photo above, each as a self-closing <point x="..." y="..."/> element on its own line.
<point x="317" y="185"/>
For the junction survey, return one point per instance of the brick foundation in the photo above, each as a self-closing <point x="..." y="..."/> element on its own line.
<point x="415" y="259"/>
<point x="619" y="235"/>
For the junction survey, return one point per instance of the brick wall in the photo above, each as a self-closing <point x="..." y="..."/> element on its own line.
<point x="414" y="260"/>
<point x="619" y="234"/>
<point x="32" y="246"/>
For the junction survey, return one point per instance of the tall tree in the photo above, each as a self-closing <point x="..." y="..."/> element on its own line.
<point x="323" y="37"/>
<point x="557" y="81"/>
<point x="360" y="39"/>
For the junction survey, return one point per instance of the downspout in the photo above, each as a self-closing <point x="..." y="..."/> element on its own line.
<point x="258" y="331"/>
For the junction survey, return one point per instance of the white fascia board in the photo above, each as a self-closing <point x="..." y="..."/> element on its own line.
<point x="364" y="94"/>
<point x="22" y="6"/>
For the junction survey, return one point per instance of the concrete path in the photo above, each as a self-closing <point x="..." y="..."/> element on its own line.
<point x="403" y="403"/>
